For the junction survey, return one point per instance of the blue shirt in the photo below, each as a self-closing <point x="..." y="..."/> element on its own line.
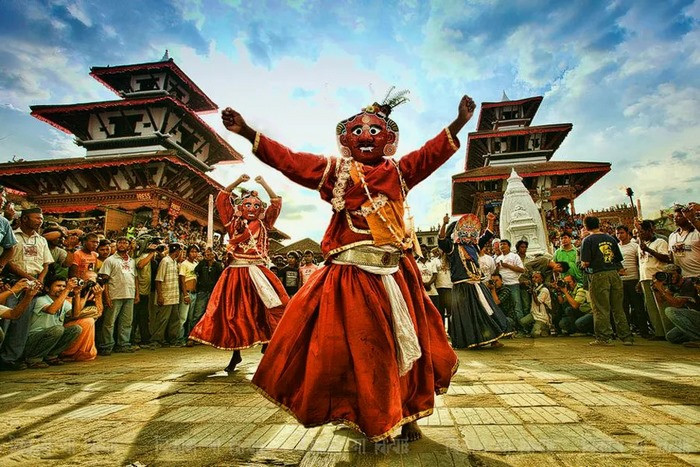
<point x="7" y="236"/>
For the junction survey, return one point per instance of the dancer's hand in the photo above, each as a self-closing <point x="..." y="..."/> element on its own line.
<point x="465" y="109"/>
<point x="446" y="219"/>
<point x="244" y="178"/>
<point x="259" y="179"/>
<point x="233" y="121"/>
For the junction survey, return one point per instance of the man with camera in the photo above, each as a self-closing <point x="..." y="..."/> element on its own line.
<point x="30" y="289"/>
<point x="503" y="298"/>
<point x="30" y="260"/>
<point x="600" y="253"/>
<point x="48" y="336"/>
<point x="684" y="242"/>
<point x="577" y="313"/>
<point x="538" y="321"/>
<point x="681" y="294"/>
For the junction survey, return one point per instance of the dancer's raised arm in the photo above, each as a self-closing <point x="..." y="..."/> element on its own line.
<point x="261" y="181"/>
<point x="242" y="179"/>
<point x="308" y="170"/>
<point x="418" y="165"/>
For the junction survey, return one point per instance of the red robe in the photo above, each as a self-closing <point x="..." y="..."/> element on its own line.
<point x="333" y="357"/>
<point x="236" y="317"/>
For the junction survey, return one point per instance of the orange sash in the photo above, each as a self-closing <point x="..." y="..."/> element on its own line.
<point x="392" y="212"/>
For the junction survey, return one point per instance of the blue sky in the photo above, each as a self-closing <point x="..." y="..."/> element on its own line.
<point x="625" y="73"/>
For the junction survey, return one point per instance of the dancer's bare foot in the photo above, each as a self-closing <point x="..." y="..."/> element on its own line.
<point x="496" y="344"/>
<point x="410" y="432"/>
<point x="235" y="360"/>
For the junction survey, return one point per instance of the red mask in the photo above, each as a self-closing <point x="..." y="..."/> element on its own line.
<point x="367" y="137"/>
<point x="250" y="207"/>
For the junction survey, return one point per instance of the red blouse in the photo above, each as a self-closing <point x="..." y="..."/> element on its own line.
<point x="249" y="243"/>
<point x="320" y="173"/>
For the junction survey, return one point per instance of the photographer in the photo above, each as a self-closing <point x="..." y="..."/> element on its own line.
<point x="539" y="317"/>
<point x="30" y="290"/>
<point x="47" y="335"/>
<point x="577" y="314"/>
<point x="84" y="315"/>
<point x="681" y="293"/>
<point x="31" y="260"/>
<point x="503" y="298"/>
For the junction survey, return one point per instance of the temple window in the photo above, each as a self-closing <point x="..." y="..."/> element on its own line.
<point x="125" y="125"/>
<point x="147" y="84"/>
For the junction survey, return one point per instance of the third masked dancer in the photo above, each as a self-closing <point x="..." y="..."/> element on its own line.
<point x="476" y="320"/>
<point x="360" y="343"/>
<point x="248" y="299"/>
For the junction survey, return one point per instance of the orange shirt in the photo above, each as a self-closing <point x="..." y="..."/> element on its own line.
<point x="84" y="262"/>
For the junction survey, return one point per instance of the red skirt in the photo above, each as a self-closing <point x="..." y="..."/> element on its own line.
<point x="236" y="317"/>
<point x="333" y="358"/>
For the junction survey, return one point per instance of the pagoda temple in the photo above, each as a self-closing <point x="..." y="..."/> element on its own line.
<point x="504" y="140"/>
<point x="148" y="150"/>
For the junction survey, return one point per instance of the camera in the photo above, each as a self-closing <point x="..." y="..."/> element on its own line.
<point x="561" y="284"/>
<point x="10" y="279"/>
<point x="662" y="276"/>
<point x="88" y="285"/>
<point x="490" y="282"/>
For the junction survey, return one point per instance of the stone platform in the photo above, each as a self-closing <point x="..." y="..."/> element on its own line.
<point x="554" y="401"/>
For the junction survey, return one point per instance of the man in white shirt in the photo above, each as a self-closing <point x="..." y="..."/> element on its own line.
<point x="121" y="294"/>
<point x="633" y="301"/>
<point x="510" y="266"/>
<point x="31" y="259"/>
<point x="653" y="256"/>
<point x="684" y="243"/>
<point x="539" y="317"/>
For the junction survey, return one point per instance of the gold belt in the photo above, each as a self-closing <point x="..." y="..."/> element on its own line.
<point x="367" y="256"/>
<point x="247" y="262"/>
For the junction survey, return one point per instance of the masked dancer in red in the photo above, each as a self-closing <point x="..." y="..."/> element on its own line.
<point x="248" y="299"/>
<point x="361" y="342"/>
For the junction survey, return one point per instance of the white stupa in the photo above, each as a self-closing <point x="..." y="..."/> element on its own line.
<point x="520" y="218"/>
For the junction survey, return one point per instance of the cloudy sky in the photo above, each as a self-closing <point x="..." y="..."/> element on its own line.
<point x="625" y="73"/>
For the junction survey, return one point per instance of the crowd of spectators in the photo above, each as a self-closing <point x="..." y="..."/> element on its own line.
<point x="651" y="284"/>
<point x="71" y="293"/>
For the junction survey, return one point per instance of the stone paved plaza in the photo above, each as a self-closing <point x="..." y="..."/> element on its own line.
<point x="553" y="401"/>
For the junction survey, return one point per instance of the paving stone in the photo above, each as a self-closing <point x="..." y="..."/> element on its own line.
<point x="194" y="414"/>
<point x="484" y="416"/>
<point x="439" y="417"/>
<point x="513" y="388"/>
<point x="672" y="438"/>
<point x="526" y="400"/>
<point x="572" y="437"/>
<point x="592" y="398"/>
<point x="468" y="390"/>
<point x="95" y="411"/>
<point x="501" y="438"/>
<point x="687" y="413"/>
<point x="546" y="415"/>
<point x="553" y="375"/>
